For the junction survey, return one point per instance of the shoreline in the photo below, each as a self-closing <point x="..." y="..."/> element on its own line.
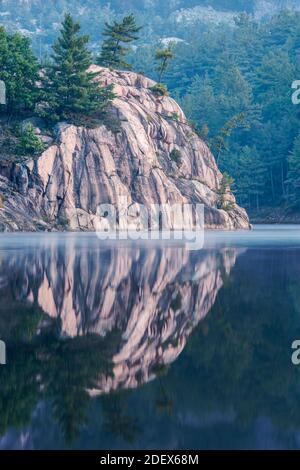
<point x="274" y="216"/>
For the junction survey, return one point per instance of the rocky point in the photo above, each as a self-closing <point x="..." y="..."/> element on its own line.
<point x="152" y="156"/>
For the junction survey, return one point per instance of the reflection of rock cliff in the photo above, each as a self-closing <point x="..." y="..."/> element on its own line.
<point x="152" y="157"/>
<point x="155" y="297"/>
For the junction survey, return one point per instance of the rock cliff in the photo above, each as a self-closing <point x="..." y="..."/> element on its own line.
<point x="152" y="157"/>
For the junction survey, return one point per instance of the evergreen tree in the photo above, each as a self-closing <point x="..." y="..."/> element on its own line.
<point x="294" y="175"/>
<point x="3" y="47"/>
<point x="29" y="142"/>
<point x="201" y="105"/>
<point x="225" y="188"/>
<point x="163" y="57"/>
<point x="117" y="34"/>
<point x="71" y="92"/>
<point x="19" y="71"/>
<point x="219" y="143"/>
<point x="249" y="173"/>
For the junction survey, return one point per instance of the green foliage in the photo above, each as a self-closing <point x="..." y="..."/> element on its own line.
<point x="250" y="175"/>
<point x="29" y="143"/>
<point x="219" y="143"/>
<point x="176" y="303"/>
<point x="15" y="143"/>
<point x="159" y="89"/>
<point x="19" y="71"/>
<point x="176" y="156"/>
<point x="225" y="188"/>
<point x="294" y="176"/>
<point x="163" y="57"/>
<point x="237" y="82"/>
<point x="113" y="51"/>
<point x="252" y="350"/>
<point x="226" y="183"/>
<point x="204" y="132"/>
<point x="62" y="222"/>
<point x="70" y="91"/>
<point x="175" y="117"/>
<point x="40" y="18"/>
<point x="9" y="141"/>
<point x="118" y="420"/>
<point x="66" y="368"/>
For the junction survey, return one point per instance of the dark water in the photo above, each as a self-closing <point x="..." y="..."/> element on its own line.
<point x="155" y="347"/>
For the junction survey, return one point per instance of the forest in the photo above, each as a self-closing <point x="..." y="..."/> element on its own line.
<point x="236" y="84"/>
<point x="233" y="81"/>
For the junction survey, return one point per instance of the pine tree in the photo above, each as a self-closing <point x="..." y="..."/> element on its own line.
<point x="163" y="56"/>
<point x="219" y="143"/>
<point x="113" y="50"/>
<point x="201" y="105"/>
<point x="19" y="71"/>
<point x="294" y="175"/>
<point x="249" y="172"/>
<point x="71" y="92"/>
<point x="225" y="188"/>
<point x="29" y="142"/>
<point x="3" y="47"/>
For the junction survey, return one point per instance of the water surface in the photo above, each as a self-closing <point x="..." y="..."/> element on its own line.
<point x="152" y="346"/>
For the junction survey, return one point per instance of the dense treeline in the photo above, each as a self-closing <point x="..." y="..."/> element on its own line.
<point x="246" y="72"/>
<point x="40" y="20"/>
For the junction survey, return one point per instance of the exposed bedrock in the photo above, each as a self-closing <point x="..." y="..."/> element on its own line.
<point x="154" y="157"/>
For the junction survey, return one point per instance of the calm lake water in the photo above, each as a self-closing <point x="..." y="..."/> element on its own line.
<point x="150" y="346"/>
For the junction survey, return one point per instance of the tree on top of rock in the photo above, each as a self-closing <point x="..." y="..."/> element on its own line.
<point x="19" y="71"/>
<point x="71" y="92"/>
<point x="163" y="57"/>
<point x="117" y="34"/>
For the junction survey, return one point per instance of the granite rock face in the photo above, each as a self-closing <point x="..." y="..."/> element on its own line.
<point x="154" y="157"/>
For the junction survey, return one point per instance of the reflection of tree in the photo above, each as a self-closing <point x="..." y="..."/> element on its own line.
<point x="163" y="402"/>
<point x="19" y="388"/>
<point x="18" y="322"/>
<point x="59" y="371"/>
<point x="239" y="357"/>
<point x="69" y="368"/>
<point x="157" y="296"/>
<point x="117" y="418"/>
